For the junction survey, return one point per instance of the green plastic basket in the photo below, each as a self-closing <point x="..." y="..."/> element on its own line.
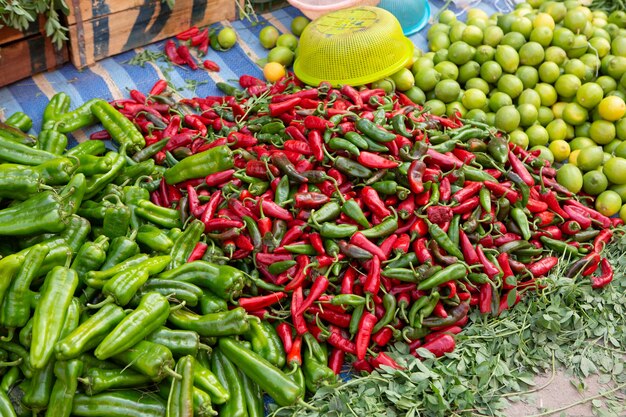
<point x="352" y="46"/>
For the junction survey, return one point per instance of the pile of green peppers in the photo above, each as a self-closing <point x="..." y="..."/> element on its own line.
<point x="101" y="314"/>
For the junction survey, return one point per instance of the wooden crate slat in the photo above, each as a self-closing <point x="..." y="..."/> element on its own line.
<point x="23" y="58"/>
<point x="133" y="27"/>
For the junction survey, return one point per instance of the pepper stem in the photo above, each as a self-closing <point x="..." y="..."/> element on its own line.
<point x="171" y="373"/>
<point x="102" y="303"/>
<point x="9" y="336"/>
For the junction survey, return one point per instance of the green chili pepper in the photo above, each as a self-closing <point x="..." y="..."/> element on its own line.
<point x="253" y="395"/>
<point x="339" y="144"/>
<point x="52" y="141"/>
<point x="280" y="267"/>
<point x="207" y="381"/>
<point x="120" y="249"/>
<point x="178" y="290"/>
<point x="185" y="243"/>
<point x="153" y="238"/>
<point x="521" y="220"/>
<point x="585" y="235"/>
<point x="180" y="400"/>
<point x="200" y="165"/>
<point x="373" y="132"/>
<point x="122" y="403"/>
<point x="10" y="378"/>
<point x="316" y="373"/>
<point x="151" y="314"/>
<point x="475" y="174"/>
<point x="122" y="130"/>
<point x="179" y="342"/>
<point x="337" y="231"/>
<point x="19" y="182"/>
<point x="444" y="241"/>
<point x="226" y="373"/>
<point x="97" y="183"/>
<point x="161" y="216"/>
<point x="20" y="120"/>
<point x="265" y="342"/>
<point x="211" y="303"/>
<point x="352" y="209"/>
<point x="404" y="261"/>
<point x="89" y="147"/>
<point x="416" y="320"/>
<point x="485" y="199"/>
<point x="38" y="394"/>
<point x="89" y="333"/>
<point x="222" y="280"/>
<point x="56" y="296"/>
<point x="559" y="246"/>
<point x="383" y="229"/>
<point x="133" y="172"/>
<point x="148" y="358"/>
<point x="96" y="380"/>
<point x="454" y="315"/>
<point x="390" y="304"/>
<point x="357" y="140"/>
<point x="352" y="168"/>
<point x="43" y="212"/>
<point x="356" y="318"/>
<point x="498" y="147"/>
<point x="331" y="247"/>
<point x="232" y="322"/>
<point x="19" y="153"/>
<point x="453" y="229"/>
<point x="327" y="212"/>
<point x="64" y="389"/>
<point x="435" y="194"/>
<point x="149" y="151"/>
<point x="76" y="119"/>
<point x="450" y="273"/>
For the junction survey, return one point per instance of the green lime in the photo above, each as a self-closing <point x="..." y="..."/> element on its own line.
<point x="454" y="108"/>
<point x="528" y="114"/>
<point x="268" y="36"/>
<point x="583" y="129"/>
<point x="519" y="137"/>
<point x="570" y="177"/>
<point x="594" y="182"/>
<point x="616" y="67"/>
<point x="437" y="28"/>
<point x="507" y="118"/>
<point x="591" y="61"/>
<point x="612" y="146"/>
<point x="427" y="78"/>
<point x="620" y="150"/>
<point x="385" y="84"/>
<point x="298" y="24"/>
<point x="563" y="38"/>
<point x="602" y="132"/>
<point x="575" y="67"/>
<point x="543" y="20"/>
<point x="590" y="158"/>
<point x="547" y="93"/>
<point x="490" y="71"/>
<point x="555" y="9"/>
<point x="607" y="83"/>
<point x="468" y="71"/>
<point x="513" y="39"/>
<point x="498" y="100"/>
<point x="227" y="37"/>
<point x="440" y="56"/>
<point x="478" y="83"/>
<point x="288" y="40"/>
<point x="474" y="98"/>
<point x="589" y="95"/>
<point x="281" y="54"/>
<point x="507" y="57"/>
<point x="484" y="53"/>
<point x="491" y="118"/>
<point x="545" y="153"/>
<point x="555" y="54"/>
<point x="403" y="79"/>
<point x="448" y="70"/>
<point x="447" y="16"/>
<point x="575" y="20"/>
<point x="542" y="35"/>
<point x="447" y="90"/>
<point x="545" y="115"/>
<point x="438" y="41"/>
<point x="492" y="35"/>
<point x="511" y="85"/>
<point x="557" y="130"/>
<point x="528" y="76"/>
<point x="529" y="96"/>
<point x="560" y="150"/>
<point x="618" y="46"/>
<point x="612" y="108"/>
<point x="549" y="72"/>
<point x="537" y="135"/>
<point x="456" y="31"/>
<point x="436" y="107"/>
<point x="505" y="22"/>
<point x="620" y="128"/>
<point x="575" y="114"/>
<point x="608" y="203"/>
<point x="621" y="190"/>
<point x="522" y="25"/>
<point x="421" y="63"/>
<point x="477" y="115"/>
<point x="473" y="35"/>
<point x="416" y="95"/>
<point x="567" y="85"/>
<point x="460" y="52"/>
<point x="581" y="143"/>
<point x="531" y="53"/>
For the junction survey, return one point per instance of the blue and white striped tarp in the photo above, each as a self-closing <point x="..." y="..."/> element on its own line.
<point x="111" y="78"/>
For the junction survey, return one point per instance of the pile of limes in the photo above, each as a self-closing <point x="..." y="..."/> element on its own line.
<point x="551" y="74"/>
<point x="282" y="48"/>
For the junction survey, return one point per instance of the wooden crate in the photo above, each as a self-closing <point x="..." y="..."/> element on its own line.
<point x="26" y="53"/>
<point x="99" y="29"/>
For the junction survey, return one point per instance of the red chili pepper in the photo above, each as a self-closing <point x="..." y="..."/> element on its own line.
<point x="593" y="262"/>
<point x="579" y="216"/>
<point x="316" y="241"/>
<point x="594" y="214"/>
<point x="317" y="123"/>
<point x="277" y="109"/>
<point x="198" y="252"/>
<point x="187" y="34"/>
<point x="221" y="224"/>
<point x="383" y="336"/>
<point x="415" y="175"/>
<point x="362" y="242"/>
<point x="243" y="242"/>
<point x="606" y="275"/>
<point x="601" y="240"/>
<point x="372" y="283"/>
<point x="248" y="81"/>
<point x="543" y="266"/>
<point x="336" y="360"/>
<point x="520" y="169"/>
<point x="336" y="340"/>
<point x="506" y="238"/>
<point x="333" y="317"/>
<point x="238" y="140"/>
<point x="500" y="190"/>
<point x="210" y="65"/>
<point x="470" y="189"/>
<point x="366" y="324"/>
<point x="372" y="200"/>
<point x="465" y="156"/>
<point x="273" y="210"/>
<point x="445" y="161"/>
<point x="317" y="289"/>
<point x="490" y="269"/>
<point x="440" y="346"/>
<point x="382" y="359"/>
<point x="549" y="197"/>
<point x="298" y="146"/>
<point x="211" y="207"/>
<point x="297" y="318"/>
<point x="535" y="206"/>
<point x="545" y="218"/>
<point x="184" y="53"/>
<point x="466" y="206"/>
<point x="353" y="95"/>
<point x="172" y="53"/>
<point x="284" y="332"/>
<point x="570" y="227"/>
<point x="219" y="178"/>
<point x="261" y="301"/>
<point x="372" y="160"/>
<point x="347" y="282"/>
<point x="503" y="261"/>
<point x="363" y="366"/>
<point x="421" y="250"/>
<point x="159" y="87"/>
<point x="485" y="297"/>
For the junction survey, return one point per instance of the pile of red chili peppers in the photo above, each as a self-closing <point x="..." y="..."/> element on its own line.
<point x="201" y="40"/>
<point x="361" y="219"/>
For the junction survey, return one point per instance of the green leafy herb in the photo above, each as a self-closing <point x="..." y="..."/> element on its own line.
<point x="145" y="56"/>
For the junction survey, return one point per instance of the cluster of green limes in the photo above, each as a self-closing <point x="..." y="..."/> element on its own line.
<point x="282" y="47"/>
<point x="551" y="74"/>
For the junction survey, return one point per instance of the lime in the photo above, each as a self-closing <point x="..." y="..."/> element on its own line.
<point x="556" y="10"/>
<point x="507" y="57"/>
<point x="573" y="157"/>
<point x="404" y="79"/>
<point x="594" y="182"/>
<point x="478" y="83"/>
<point x="447" y="16"/>
<point x="557" y="130"/>
<point x="616" y="67"/>
<point x="438" y="41"/>
<point x="510" y="85"/>
<point x="544" y="153"/>
<point x="557" y="109"/>
<point x="607" y="83"/>
<point x="385" y="84"/>
<point x="437" y="28"/>
<point x="268" y="36"/>
<point x="478" y="14"/>
<point x="555" y="54"/>
<point x="622" y="213"/>
<point x="436" y="107"/>
<point x="491" y="118"/>
<point x="620" y="150"/>
<point x="227" y="37"/>
<point x="545" y="115"/>
<point x="583" y="129"/>
<point x="547" y="93"/>
<point x="484" y="53"/>
<point x="477" y="115"/>
<point x="288" y="40"/>
<point x="519" y="137"/>
<point x="537" y="135"/>
<point x="621" y="190"/>
<point x="298" y="24"/>
<point x="590" y="158"/>
<point x="581" y="143"/>
<point x="542" y="35"/>
<point x="456" y="31"/>
<point x="589" y="95"/>
<point x="468" y="71"/>
<point x="473" y="35"/>
<point x="602" y="132"/>
<point x="575" y="20"/>
<point x="591" y="61"/>
<point x="563" y="38"/>
<point x="567" y="85"/>
<point x="612" y="108"/>
<point x="281" y="54"/>
<point x="618" y="46"/>
<point x="447" y="90"/>
<point x="600" y="45"/>
<point x="620" y="127"/>
<point x="522" y="25"/>
<point x="612" y="146"/>
<point x="421" y="63"/>
<point x="460" y="52"/>
<point x="608" y="203"/>
<point x="416" y="95"/>
<point x="498" y="100"/>
<point x="543" y="20"/>
<point x="528" y="76"/>
<point x="575" y="114"/>
<point x="505" y="22"/>
<point x="490" y="71"/>
<point x="528" y="114"/>
<point x="507" y="118"/>
<point x="560" y="150"/>
<point x="427" y="78"/>
<point x="531" y="53"/>
<point x="549" y="72"/>
<point x="448" y="70"/>
<point x="440" y="56"/>
<point x="474" y="98"/>
<point x="529" y="96"/>
<point x="579" y="47"/>
<point x="575" y="67"/>
<point x="570" y="177"/>
<point x="455" y="108"/>
<point x="615" y="170"/>
<point x="492" y="35"/>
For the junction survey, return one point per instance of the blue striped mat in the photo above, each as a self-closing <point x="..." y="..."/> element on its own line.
<point x="111" y="78"/>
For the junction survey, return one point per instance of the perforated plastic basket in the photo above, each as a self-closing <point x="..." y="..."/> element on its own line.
<point x="413" y="15"/>
<point x="316" y="8"/>
<point x="353" y="46"/>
